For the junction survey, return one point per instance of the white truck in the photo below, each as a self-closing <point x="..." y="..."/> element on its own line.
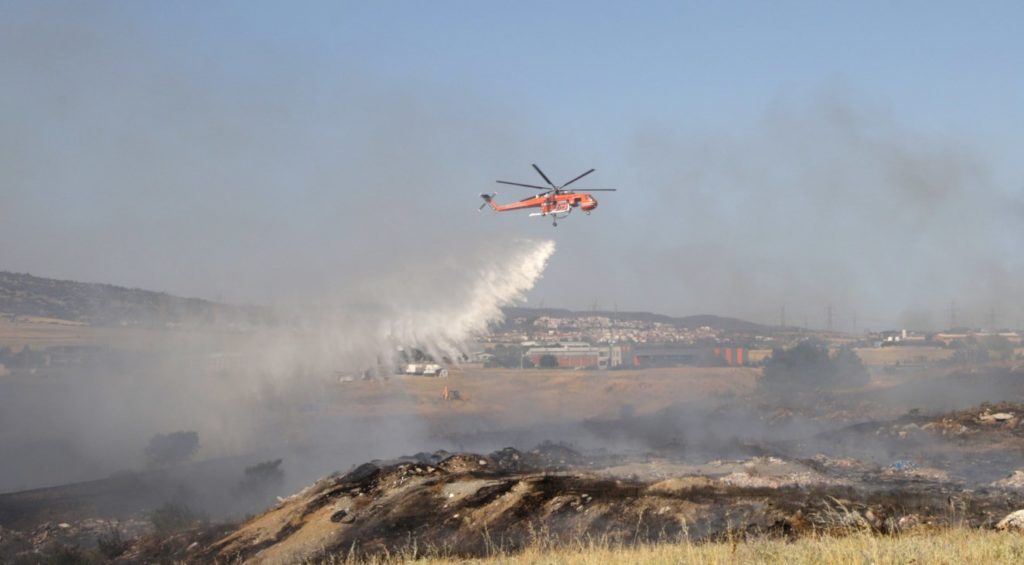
<point x="429" y="369"/>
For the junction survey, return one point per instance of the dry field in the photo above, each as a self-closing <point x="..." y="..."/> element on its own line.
<point x="40" y="333"/>
<point x="951" y="546"/>
<point x="512" y="397"/>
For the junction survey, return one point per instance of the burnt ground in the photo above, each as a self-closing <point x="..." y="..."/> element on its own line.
<point x="888" y="477"/>
<point x="469" y="504"/>
<point x="750" y="466"/>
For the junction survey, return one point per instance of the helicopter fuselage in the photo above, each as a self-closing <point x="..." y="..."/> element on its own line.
<point x="555" y="200"/>
<point x="551" y="204"/>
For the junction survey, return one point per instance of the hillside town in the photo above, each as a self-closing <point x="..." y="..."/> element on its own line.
<point x="635" y="340"/>
<point x="602" y="329"/>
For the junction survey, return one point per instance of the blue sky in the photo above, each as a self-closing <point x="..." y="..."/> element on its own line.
<point x="601" y="66"/>
<point x="643" y="61"/>
<point x="284" y="132"/>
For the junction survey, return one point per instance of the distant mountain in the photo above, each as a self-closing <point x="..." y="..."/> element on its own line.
<point x="717" y="322"/>
<point x="109" y="305"/>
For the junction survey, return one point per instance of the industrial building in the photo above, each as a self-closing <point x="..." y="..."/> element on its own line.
<point x="673" y="356"/>
<point x="579" y="354"/>
<point x="576" y="354"/>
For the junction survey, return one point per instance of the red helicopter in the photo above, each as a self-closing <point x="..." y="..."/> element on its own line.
<point x="555" y="201"/>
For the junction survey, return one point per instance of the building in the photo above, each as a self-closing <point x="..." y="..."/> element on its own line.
<point x="674" y="356"/>
<point x="950" y="338"/>
<point x="573" y="354"/>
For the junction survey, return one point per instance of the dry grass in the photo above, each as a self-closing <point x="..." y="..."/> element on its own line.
<point x="512" y="397"/>
<point x="40" y="333"/>
<point x="953" y="546"/>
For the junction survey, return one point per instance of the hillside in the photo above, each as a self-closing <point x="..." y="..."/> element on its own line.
<point x="717" y="322"/>
<point x="109" y="305"/>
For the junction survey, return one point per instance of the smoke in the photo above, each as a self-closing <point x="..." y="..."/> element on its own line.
<point x="274" y="391"/>
<point x="146" y="147"/>
<point x="437" y="306"/>
<point x="141" y="147"/>
<point x="823" y="200"/>
<point x="442" y="324"/>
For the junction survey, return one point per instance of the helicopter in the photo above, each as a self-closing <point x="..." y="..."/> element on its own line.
<point x="554" y="201"/>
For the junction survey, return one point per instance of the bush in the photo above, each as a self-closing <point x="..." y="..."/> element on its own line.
<point x="112" y="544"/>
<point x="170" y="449"/>
<point x="849" y="369"/>
<point x="808" y="366"/>
<point x="507" y="356"/>
<point x="262" y="477"/>
<point x="171" y="518"/>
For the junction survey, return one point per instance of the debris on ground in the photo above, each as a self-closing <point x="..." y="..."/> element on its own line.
<point x="876" y="476"/>
<point x="379" y="510"/>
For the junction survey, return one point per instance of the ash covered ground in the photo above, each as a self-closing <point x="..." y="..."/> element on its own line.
<point x="749" y="464"/>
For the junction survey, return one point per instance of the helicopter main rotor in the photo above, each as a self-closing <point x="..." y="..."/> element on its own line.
<point x="552" y="188"/>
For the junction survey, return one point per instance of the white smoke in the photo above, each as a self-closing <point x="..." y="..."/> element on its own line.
<point x="437" y="305"/>
<point x="277" y="390"/>
<point x="444" y="324"/>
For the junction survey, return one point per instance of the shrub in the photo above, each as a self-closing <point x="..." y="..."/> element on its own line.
<point x="112" y="544"/>
<point x="808" y="366"/>
<point x="171" y="518"/>
<point x="170" y="449"/>
<point x="262" y="477"/>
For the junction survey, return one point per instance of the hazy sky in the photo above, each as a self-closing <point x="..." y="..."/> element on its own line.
<point x="863" y="155"/>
